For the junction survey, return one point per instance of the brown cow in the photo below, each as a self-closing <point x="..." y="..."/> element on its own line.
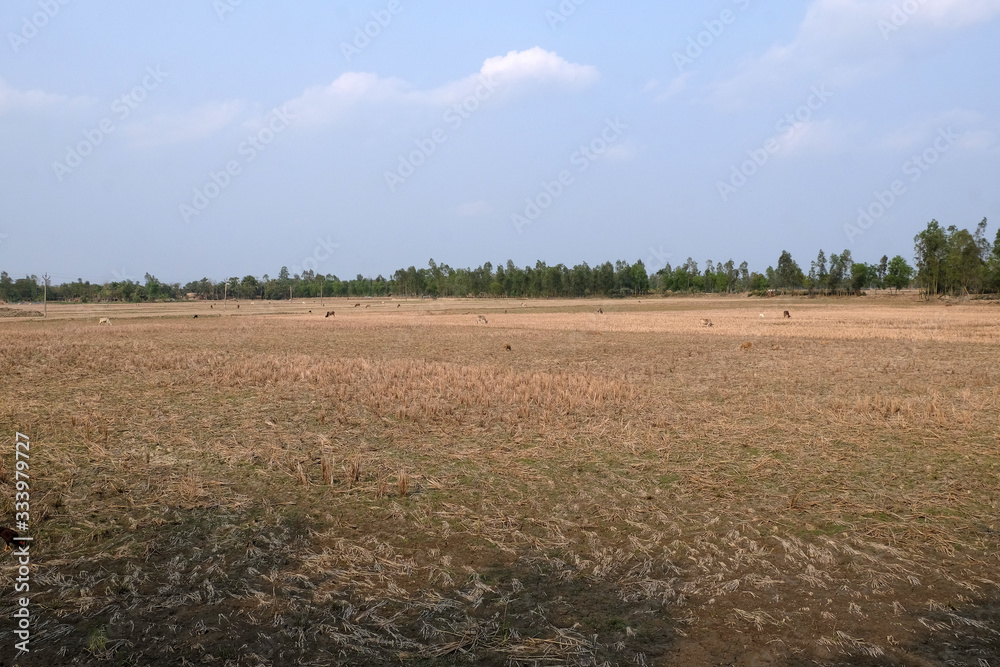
<point x="788" y="315"/>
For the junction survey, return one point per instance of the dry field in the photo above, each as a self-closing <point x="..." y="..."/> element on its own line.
<point x="391" y="485"/>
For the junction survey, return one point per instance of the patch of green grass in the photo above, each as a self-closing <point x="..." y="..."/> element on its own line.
<point x="668" y="480"/>
<point x="97" y="641"/>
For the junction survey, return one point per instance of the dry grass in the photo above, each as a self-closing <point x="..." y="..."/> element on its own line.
<point x="620" y="488"/>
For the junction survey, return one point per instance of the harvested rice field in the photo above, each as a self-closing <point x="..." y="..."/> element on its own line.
<point x="406" y="482"/>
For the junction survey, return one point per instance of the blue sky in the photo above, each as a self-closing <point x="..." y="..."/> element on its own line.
<point x="222" y="137"/>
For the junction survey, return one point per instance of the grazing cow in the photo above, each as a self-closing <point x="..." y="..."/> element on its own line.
<point x="600" y="311"/>
<point x="705" y="322"/>
<point x="507" y="346"/>
<point x="762" y="316"/>
<point x="746" y="346"/>
<point x="195" y="317"/>
<point x="788" y="315"/>
<point x="330" y="313"/>
<point x="357" y="305"/>
<point x="482" y="318"/>
<point x="397" y="305"/>
<point x="104" y="320"/>
<point x="368" y="305"/>
<point x="211" y="307"/>
<point x="310" y="312"/>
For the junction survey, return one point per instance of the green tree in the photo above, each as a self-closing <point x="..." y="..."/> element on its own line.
<point x="249" y="287"/>
<point x="862" y="276"/>
<point x="788" y="275"/>
<point x="640" y="278"/>
<point x="963" y="266"/>
<point x="930" y="249"/>
<point x="898" y="273"/>
<point x="152" y="288"/>
<point x="993" y="266"/>
<point x="883" y="268"/>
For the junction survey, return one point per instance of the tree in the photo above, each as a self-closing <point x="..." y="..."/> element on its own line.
<point x="898" y="273"/>
<point x="836" y="275"/>
<point x="993" y="268"/>
<point x="152" y="287"/>
<point x="883" y="267"/>
<point x="840" y="270"/>
<point x="788" y="274"/>
<point x="930" y="247"/>
<point x="862" y="275"/>
<point x="817" y="270"/>
<point x="248" y="287"/>
<point x="963" y="265"/>
<point x="640" y="278"/>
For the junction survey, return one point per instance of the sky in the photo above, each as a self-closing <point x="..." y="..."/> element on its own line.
<point x="218" y="138"/>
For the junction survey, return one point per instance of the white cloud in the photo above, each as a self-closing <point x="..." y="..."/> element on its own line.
<point x="538" y="66"/>
<point x="979" y="141"/>
<point x="914" y="133"/>
<point x="12" y="99"/>
<point x="622" y="152"/>
<point x="676" y="86"/>
<point x="956" y="13"/>
<point x="814" y="137"/>
<point x="518" y="71"/>
<point x="328" y="103"/>
<point x="192" y="126"/>
<point x="850" y="40"/>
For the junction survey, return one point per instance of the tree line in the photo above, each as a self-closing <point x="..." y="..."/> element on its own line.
<point x="947" y="261"/>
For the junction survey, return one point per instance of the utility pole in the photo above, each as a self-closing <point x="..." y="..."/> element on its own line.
<point x="45" y="295"/>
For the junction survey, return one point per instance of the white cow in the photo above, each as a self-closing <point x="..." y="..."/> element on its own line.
<point x="104" y="320"/>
